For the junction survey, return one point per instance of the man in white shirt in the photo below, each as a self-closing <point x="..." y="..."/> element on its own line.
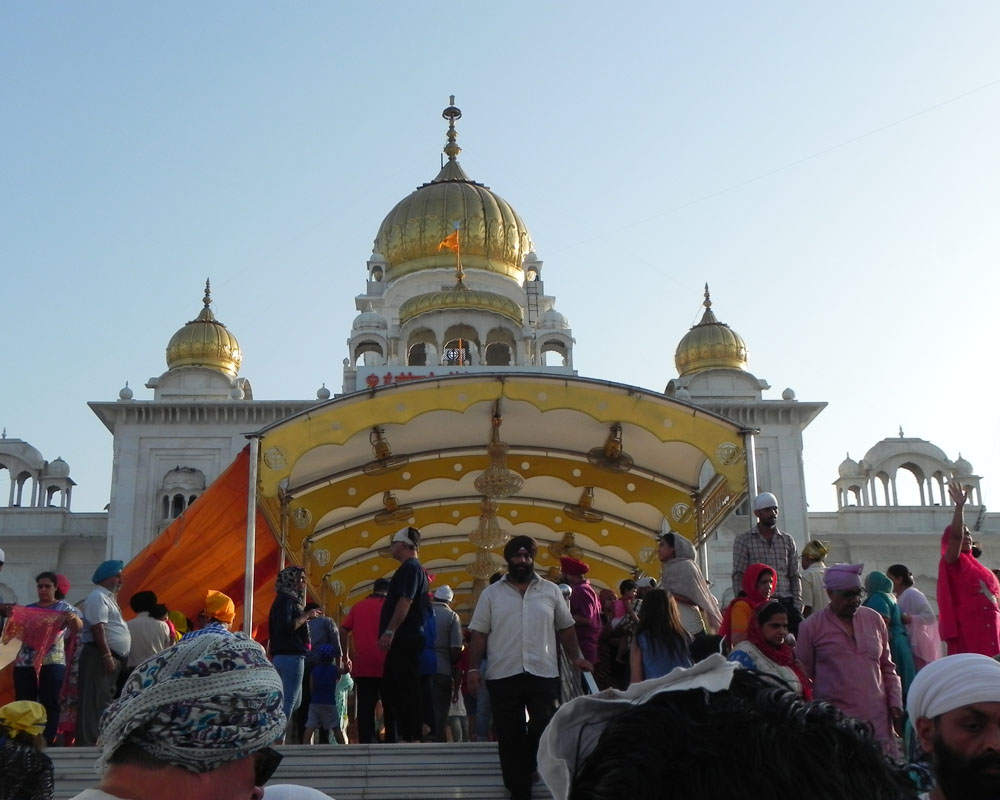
<point x="520" y="617"/>
<point x="104" y="655"/>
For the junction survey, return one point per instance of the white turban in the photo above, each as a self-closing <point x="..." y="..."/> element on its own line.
<point x="952" y="682"/>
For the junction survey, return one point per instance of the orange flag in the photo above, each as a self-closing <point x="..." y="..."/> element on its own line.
<point x="449" y="242"/>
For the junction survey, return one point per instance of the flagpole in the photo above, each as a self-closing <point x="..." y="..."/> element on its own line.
<point x="251" y="540"/>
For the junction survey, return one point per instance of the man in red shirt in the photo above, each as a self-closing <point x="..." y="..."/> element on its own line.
<point x="361" y="624"/>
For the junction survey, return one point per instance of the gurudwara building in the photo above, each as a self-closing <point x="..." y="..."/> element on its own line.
<point x="461" y="412"/>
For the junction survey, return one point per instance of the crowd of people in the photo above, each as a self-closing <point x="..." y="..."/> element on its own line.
<point x="820" y="661"/>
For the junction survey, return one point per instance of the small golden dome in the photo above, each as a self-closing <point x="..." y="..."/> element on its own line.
<point x="491" y="234"/>
<point x="461" y="298"/>
<point x="205" y="342"/>
<point x="710" y="345"/>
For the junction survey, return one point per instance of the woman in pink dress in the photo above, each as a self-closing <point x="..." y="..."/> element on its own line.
<point x="967" y="592"/>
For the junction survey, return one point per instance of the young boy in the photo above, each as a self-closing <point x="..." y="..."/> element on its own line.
<point x="323" y="704"/>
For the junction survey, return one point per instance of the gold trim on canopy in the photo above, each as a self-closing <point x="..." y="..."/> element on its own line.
<point x="689" y="472"/>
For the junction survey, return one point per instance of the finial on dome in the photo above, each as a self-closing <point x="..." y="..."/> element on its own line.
<point x="322" y="393"/>
<point x="3" y="434"/>
<point x="205" y="342"/>
<point x="126" y="392"/>
<point x="206" y="315"/>
<point x="901" y="432"/>
<point x="711" y="344"/>
<point x="451" y="113"/>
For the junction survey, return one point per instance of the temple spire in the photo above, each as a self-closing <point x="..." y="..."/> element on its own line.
<point x="451" y="113"/>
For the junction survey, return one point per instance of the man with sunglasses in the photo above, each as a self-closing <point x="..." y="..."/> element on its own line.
<point x="844" y="648"/>
<point x="195" y="721"/>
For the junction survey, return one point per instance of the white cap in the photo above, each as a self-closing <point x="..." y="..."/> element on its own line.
<point x="403" y="535"/>
<point x="645" y="583"/>
<point x="444" y="593"/>
<point x="765" y="500"/>
<point x="3" y="556"/>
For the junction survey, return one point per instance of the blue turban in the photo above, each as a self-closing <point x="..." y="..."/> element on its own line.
<point x="107" y="570"/>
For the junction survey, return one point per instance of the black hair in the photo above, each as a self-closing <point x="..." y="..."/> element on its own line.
<point x="310" y="606"/>
<point x="668" y="538"/>
<point x="55" y="582"/>
<point x="770" y="609"/>
<point x="900" y="571"/>
<point x="496" y="576"/>
<point x="626" y="585"/>
<point x="159" y="611"/>
<point x="660" y="620"/>
<point x="380" y="585"/>
<point x="753" y="740"/>
<point x="142" y="601"/>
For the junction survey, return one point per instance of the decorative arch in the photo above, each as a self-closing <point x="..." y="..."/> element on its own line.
<point x="421" y="347"/>
<point x="371" y="350"/>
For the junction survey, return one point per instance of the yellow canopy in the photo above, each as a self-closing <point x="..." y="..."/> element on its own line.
<point x="325" y="474"/>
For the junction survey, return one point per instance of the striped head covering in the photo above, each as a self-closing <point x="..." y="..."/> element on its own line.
<point x="205" y="701"/>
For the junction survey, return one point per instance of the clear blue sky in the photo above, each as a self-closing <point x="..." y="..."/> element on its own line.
<point x="831" y="170"/>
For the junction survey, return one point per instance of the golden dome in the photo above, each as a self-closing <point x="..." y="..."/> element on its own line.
<point x="205" y="342"/>
<point x="491" y="234"/>
<point x="461" y="298"/>
<point x="710" y="345"/>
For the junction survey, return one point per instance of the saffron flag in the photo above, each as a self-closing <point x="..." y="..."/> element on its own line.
<point x="450" y="242"/>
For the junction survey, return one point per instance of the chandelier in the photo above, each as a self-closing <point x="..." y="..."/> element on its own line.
<point x="484" y="565"/>
<point x="488" y="534"/>
<point x="497" y="481"/>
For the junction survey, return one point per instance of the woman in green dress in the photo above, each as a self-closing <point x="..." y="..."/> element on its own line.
<point x="880" y="598"/>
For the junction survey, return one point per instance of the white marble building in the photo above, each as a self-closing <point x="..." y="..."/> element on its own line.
<point x="427" y="309"/>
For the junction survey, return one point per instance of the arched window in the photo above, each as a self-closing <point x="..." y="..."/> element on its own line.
<point x="369" y="353"/>
<point x="181" y="487"/>
<point x="554" y="354"/>
<point x="498" y="354"/>
<point x="416" y="356"/>
<point x="5" y="484"/>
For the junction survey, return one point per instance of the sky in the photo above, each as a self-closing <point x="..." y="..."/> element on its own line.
<point x="830" y="170"/>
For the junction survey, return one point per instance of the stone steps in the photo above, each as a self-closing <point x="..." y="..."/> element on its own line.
<point x="468" y="771"/>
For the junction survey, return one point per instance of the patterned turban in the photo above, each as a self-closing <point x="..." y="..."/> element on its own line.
<point x="205" y="701"/>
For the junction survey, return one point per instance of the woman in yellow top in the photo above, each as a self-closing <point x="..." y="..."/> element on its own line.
<point x="759" y="581"/>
